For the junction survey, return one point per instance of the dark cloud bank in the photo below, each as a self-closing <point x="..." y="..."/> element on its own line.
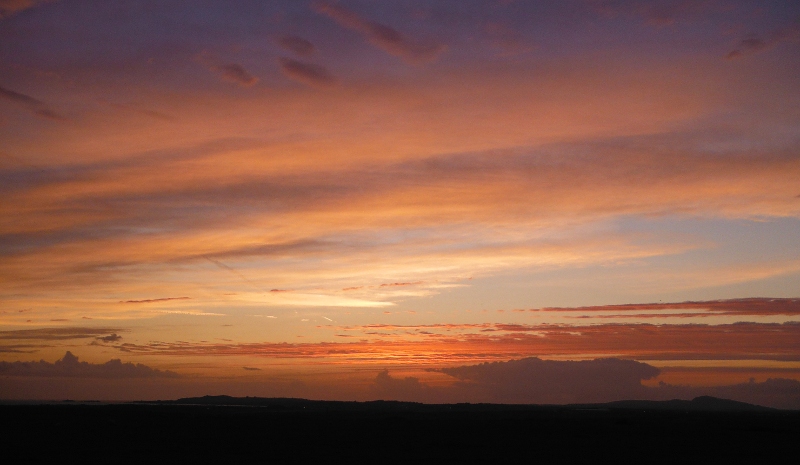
<point x="70" y="367"/>
<point x="536" y="381"/>
<point x="525" y="381"/>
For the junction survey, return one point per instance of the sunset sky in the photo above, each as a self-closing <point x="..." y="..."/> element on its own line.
<point x="367" y="199"/>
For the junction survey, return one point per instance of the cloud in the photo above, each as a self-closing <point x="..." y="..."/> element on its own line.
<point x="307" y="73"/>
<point x="406" y="389"/>
<point x="437" y="346"/>
<point x="532" y="380"/>
<point x="11" y="7"/>
<point x="382" y="36"/>
<point x="110" y="338"/>
<point x="750" y="306"/>
<point x="754" y="44"/>
<point x="536" y="381"/>
<point x="56" y="334"/>
<point x="35" y="106"/>
<point x="150" y="301"/>
<point x="297" y="45"/>
<point x="235" y="73"/>
<point x="70" y="367"/>
<point x="656" y="12"/>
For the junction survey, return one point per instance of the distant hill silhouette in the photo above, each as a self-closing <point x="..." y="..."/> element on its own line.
<point x="702" y="403"/>
<point x="698" y="404"/>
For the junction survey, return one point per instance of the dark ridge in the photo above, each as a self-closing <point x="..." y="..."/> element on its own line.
<point x="223" y="429"/>
<point x="699" y="404"/>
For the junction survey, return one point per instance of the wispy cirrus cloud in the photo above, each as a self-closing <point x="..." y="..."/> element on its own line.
<point x="755" y="44"/>
<point x="382" y="36"/>
<point x="744" y="307"/>
<point x="234" y="72"/>
<point x="307" y="73"/>
<point x="35" y="106"/>
<point x="296" y="45"/>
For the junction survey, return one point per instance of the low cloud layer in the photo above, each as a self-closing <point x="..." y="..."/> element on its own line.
<point x="536" y="381"/>
<point x="56" y="334"/>
<point x="70" y="367"/>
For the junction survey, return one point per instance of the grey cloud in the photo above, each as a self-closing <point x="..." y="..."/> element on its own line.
<point x="307" y="73"/>
<point x="235" y="73"/>
<point x="110" y="338"/>
<point x="406" y="389"/>
<point x="754" y="44"/>
<point x="70" y="367"/>
<point x="536" y="381"/>
<point x="56" y="334"/>
<point x="382" y="36"/>
<point x="656" y="12"/>
<point x="35" y="106"/>
<point x="774" y="392"/>
<point x="533" y="380"/>
<point x="297" y="45"/>
<point x="11" y="7"/>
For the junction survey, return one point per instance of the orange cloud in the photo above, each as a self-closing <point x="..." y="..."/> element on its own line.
<point x="741" y="341"/>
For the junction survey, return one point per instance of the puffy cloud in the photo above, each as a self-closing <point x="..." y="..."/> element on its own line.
<point x="110" y="338"/>
<point x="380" y="35"/>
<point x="307" y="73"/>
<point x="536" y="381"/>
<point x="70" y="367"/>
<point x="533" y="380"/>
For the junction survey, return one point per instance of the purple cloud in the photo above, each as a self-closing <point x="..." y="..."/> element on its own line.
<point x="382" y="36"/>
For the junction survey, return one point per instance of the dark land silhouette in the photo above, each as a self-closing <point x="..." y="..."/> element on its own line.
<point x="226" y="429"/>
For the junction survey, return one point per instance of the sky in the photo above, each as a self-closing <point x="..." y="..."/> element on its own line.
<point x="438" y="201"/>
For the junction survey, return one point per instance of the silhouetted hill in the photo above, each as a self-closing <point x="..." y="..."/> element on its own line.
<point x="222" y="429"/>
<point x="699" y="404"/>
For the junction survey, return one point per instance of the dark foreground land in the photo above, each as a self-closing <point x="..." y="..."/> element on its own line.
<point x="252" y="430"/>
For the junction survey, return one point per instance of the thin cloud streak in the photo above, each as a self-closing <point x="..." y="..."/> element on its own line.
<point x="380" y="35"/>
<point x="35" y="106"/>
<point x="741" y="341"/>
<point x="307" y="73"/>
<point x="297" y="45"/>
<point x="236" y="73"/>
